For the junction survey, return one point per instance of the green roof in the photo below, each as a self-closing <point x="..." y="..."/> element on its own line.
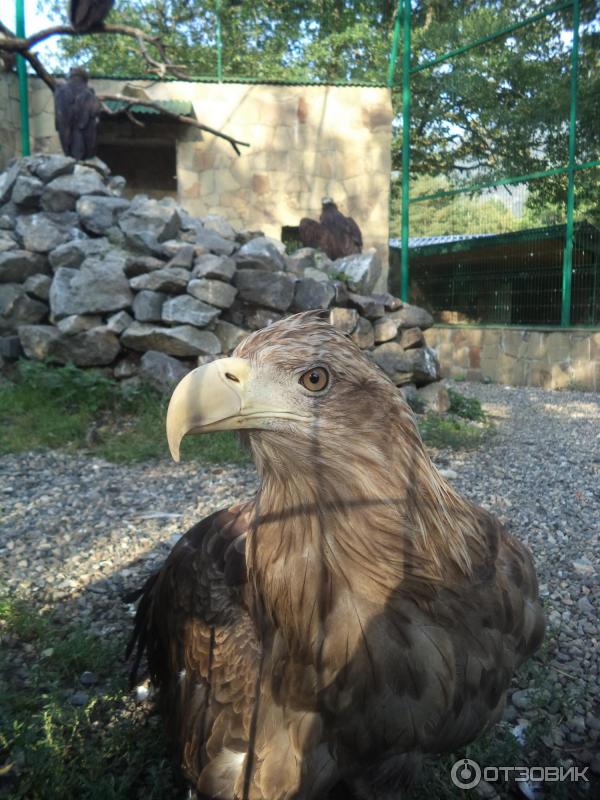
<point x="182" y="107"/>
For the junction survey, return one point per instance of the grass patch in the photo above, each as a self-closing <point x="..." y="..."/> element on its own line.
<point x="466" y="425"/>
<point x="449" y="431"/>
<point x="49" y="407"/>
<point x="50" y="749"/>
<point x="465" y="407"/>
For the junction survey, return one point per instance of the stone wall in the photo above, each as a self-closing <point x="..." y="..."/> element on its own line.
<point x="306" y="142"/>
<point x="10" y="127"/>
<point x="142" y="288"/>
<point x="551" y="358"/>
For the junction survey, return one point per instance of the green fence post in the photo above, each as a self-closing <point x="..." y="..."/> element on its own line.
<point x="219" y="44"/>
<point x="565" y="317"/>
<point x="22" y="75"/>
<point x="395" y="42"/>
<point x="405" y="147"/>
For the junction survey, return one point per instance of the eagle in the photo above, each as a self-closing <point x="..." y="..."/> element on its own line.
<point x="334" y="234"/>
<point x="87" y="15"/>
<point x="77" y="110"/>
<point x="356" y="614"/>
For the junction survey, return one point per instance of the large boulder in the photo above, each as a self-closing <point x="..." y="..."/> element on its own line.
<point x="425" y="365"/>
<point x="38" y="286"/>
<point x="73" y="254"/>
<point x="138" y="265"/>
<point x="147" y="306"/>
<point x="27" y="191"/>
<point x="98" y="214"/>
<point x="212" y="242"/>
<point x="344" y="319"/>
<point x="48" y="167"/>
<point x="18" y="265"/>
<point x="97" y="287"/>
<point x="412" y="317"/>
<point x="368" y="305"/>
<point x="186" y="310"/>
<point x="41" y="233"/>
<point x="95" y="347"/>
<point x="17" y="308"/>
<point x="218" y="224"/>
<point x="7" y="182"/>
<point x="211" y="266"/>
<point x="309" y="293"/>
<point x="385" y="329"/>
<point x="62" y="193"/>
<point x="171" y="281"/>
<point x="184" y="340"/>
<point x="261" y="253"/>
<point x="216" y="293"/>
<point x="77" y="323"/>
<point x="360" y="271"/>
<point x="271" y="289"/>
<point x="393" y="360"/>
<point x="229" y="335"/>
<point x="161" y="371"/>
<point x="363" y="335"/>
<point x="147" y="223"/>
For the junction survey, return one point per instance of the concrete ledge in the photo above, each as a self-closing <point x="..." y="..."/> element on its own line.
<point x="551" y="358"/>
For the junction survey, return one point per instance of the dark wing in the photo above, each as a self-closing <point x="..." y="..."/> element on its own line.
<point x="342" y="230"/>
<point x="310" y="232"/>
<point x="64" y="109"/>
<point x="90" y="111"/>
<point x="202" y="649"/>
<point x="87" y="14"/>
<point x="313" y="234"/>
<point x="354" y="232"/>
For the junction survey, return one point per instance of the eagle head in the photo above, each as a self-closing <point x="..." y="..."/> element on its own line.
<point x="293" y="386"/>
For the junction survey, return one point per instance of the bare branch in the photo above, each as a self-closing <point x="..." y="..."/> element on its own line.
<point x="13" y="44"/>
<point x="135" y="101"/>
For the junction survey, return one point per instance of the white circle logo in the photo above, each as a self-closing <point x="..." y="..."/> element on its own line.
<point x="465" y="773"/>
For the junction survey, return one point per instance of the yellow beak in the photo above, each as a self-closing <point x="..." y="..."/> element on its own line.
<point x="209" y="398"/>
<point x="223" y="396"/>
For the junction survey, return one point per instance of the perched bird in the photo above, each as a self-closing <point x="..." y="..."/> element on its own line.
<point x="85" y="15"/>
<point x="76" y="110"/>
<point x="354" y="615"/>
<point x="334" y="234"/>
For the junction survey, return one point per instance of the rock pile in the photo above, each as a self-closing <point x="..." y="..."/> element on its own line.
<point x="140" y="286"/>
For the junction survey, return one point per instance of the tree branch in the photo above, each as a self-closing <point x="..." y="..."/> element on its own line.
<point x="135" y="101"/>
<point x="10" y="43"/>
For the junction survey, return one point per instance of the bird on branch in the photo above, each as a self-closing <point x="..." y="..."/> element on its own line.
<point x="77" y="110"/>
<point x="334" y="234"/>
<point x="87" y="15"/>
<point x="356" y="614"/>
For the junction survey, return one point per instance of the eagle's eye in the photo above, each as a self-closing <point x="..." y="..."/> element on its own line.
<point x="315" y="380"/>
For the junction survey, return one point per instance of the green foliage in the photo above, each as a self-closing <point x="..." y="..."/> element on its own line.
<point x="466" y="407"/>
<point x="83" y="409"/>
<point x="52" y="750"/>
<point x="439" y="431"/>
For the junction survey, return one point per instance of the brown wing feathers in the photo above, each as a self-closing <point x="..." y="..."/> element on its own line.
<point x="293" y="650"/>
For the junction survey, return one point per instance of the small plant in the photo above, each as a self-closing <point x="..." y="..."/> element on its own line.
<point x="465" y="407"/>
<point x="453" y="432"/>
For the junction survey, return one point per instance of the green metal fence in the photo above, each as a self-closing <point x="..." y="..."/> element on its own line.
<point x="497" y="202"/>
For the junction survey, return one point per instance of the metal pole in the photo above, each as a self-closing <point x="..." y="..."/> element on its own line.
<point x="395" y="42"/>
<point x="405" y="147"/>
<point x="22" y="75"/>
<point x="219" y="44"/>
<point x="565" y="317"/>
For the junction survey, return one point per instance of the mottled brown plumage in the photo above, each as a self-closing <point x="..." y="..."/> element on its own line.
<point x="356" y="614"/>
<point x="336" y="235"/>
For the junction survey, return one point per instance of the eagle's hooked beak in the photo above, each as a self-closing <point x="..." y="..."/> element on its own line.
<point x="209" y="398"/>
<point x="226" y="395"/>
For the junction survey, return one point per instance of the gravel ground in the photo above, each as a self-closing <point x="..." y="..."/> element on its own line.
<point x="78" y="532"/>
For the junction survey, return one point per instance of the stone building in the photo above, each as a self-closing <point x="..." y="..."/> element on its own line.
<point x="305" y="142"/>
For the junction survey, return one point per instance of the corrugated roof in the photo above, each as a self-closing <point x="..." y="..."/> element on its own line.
<point x="425" y="241"/>
<point x="182" y="107"/>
